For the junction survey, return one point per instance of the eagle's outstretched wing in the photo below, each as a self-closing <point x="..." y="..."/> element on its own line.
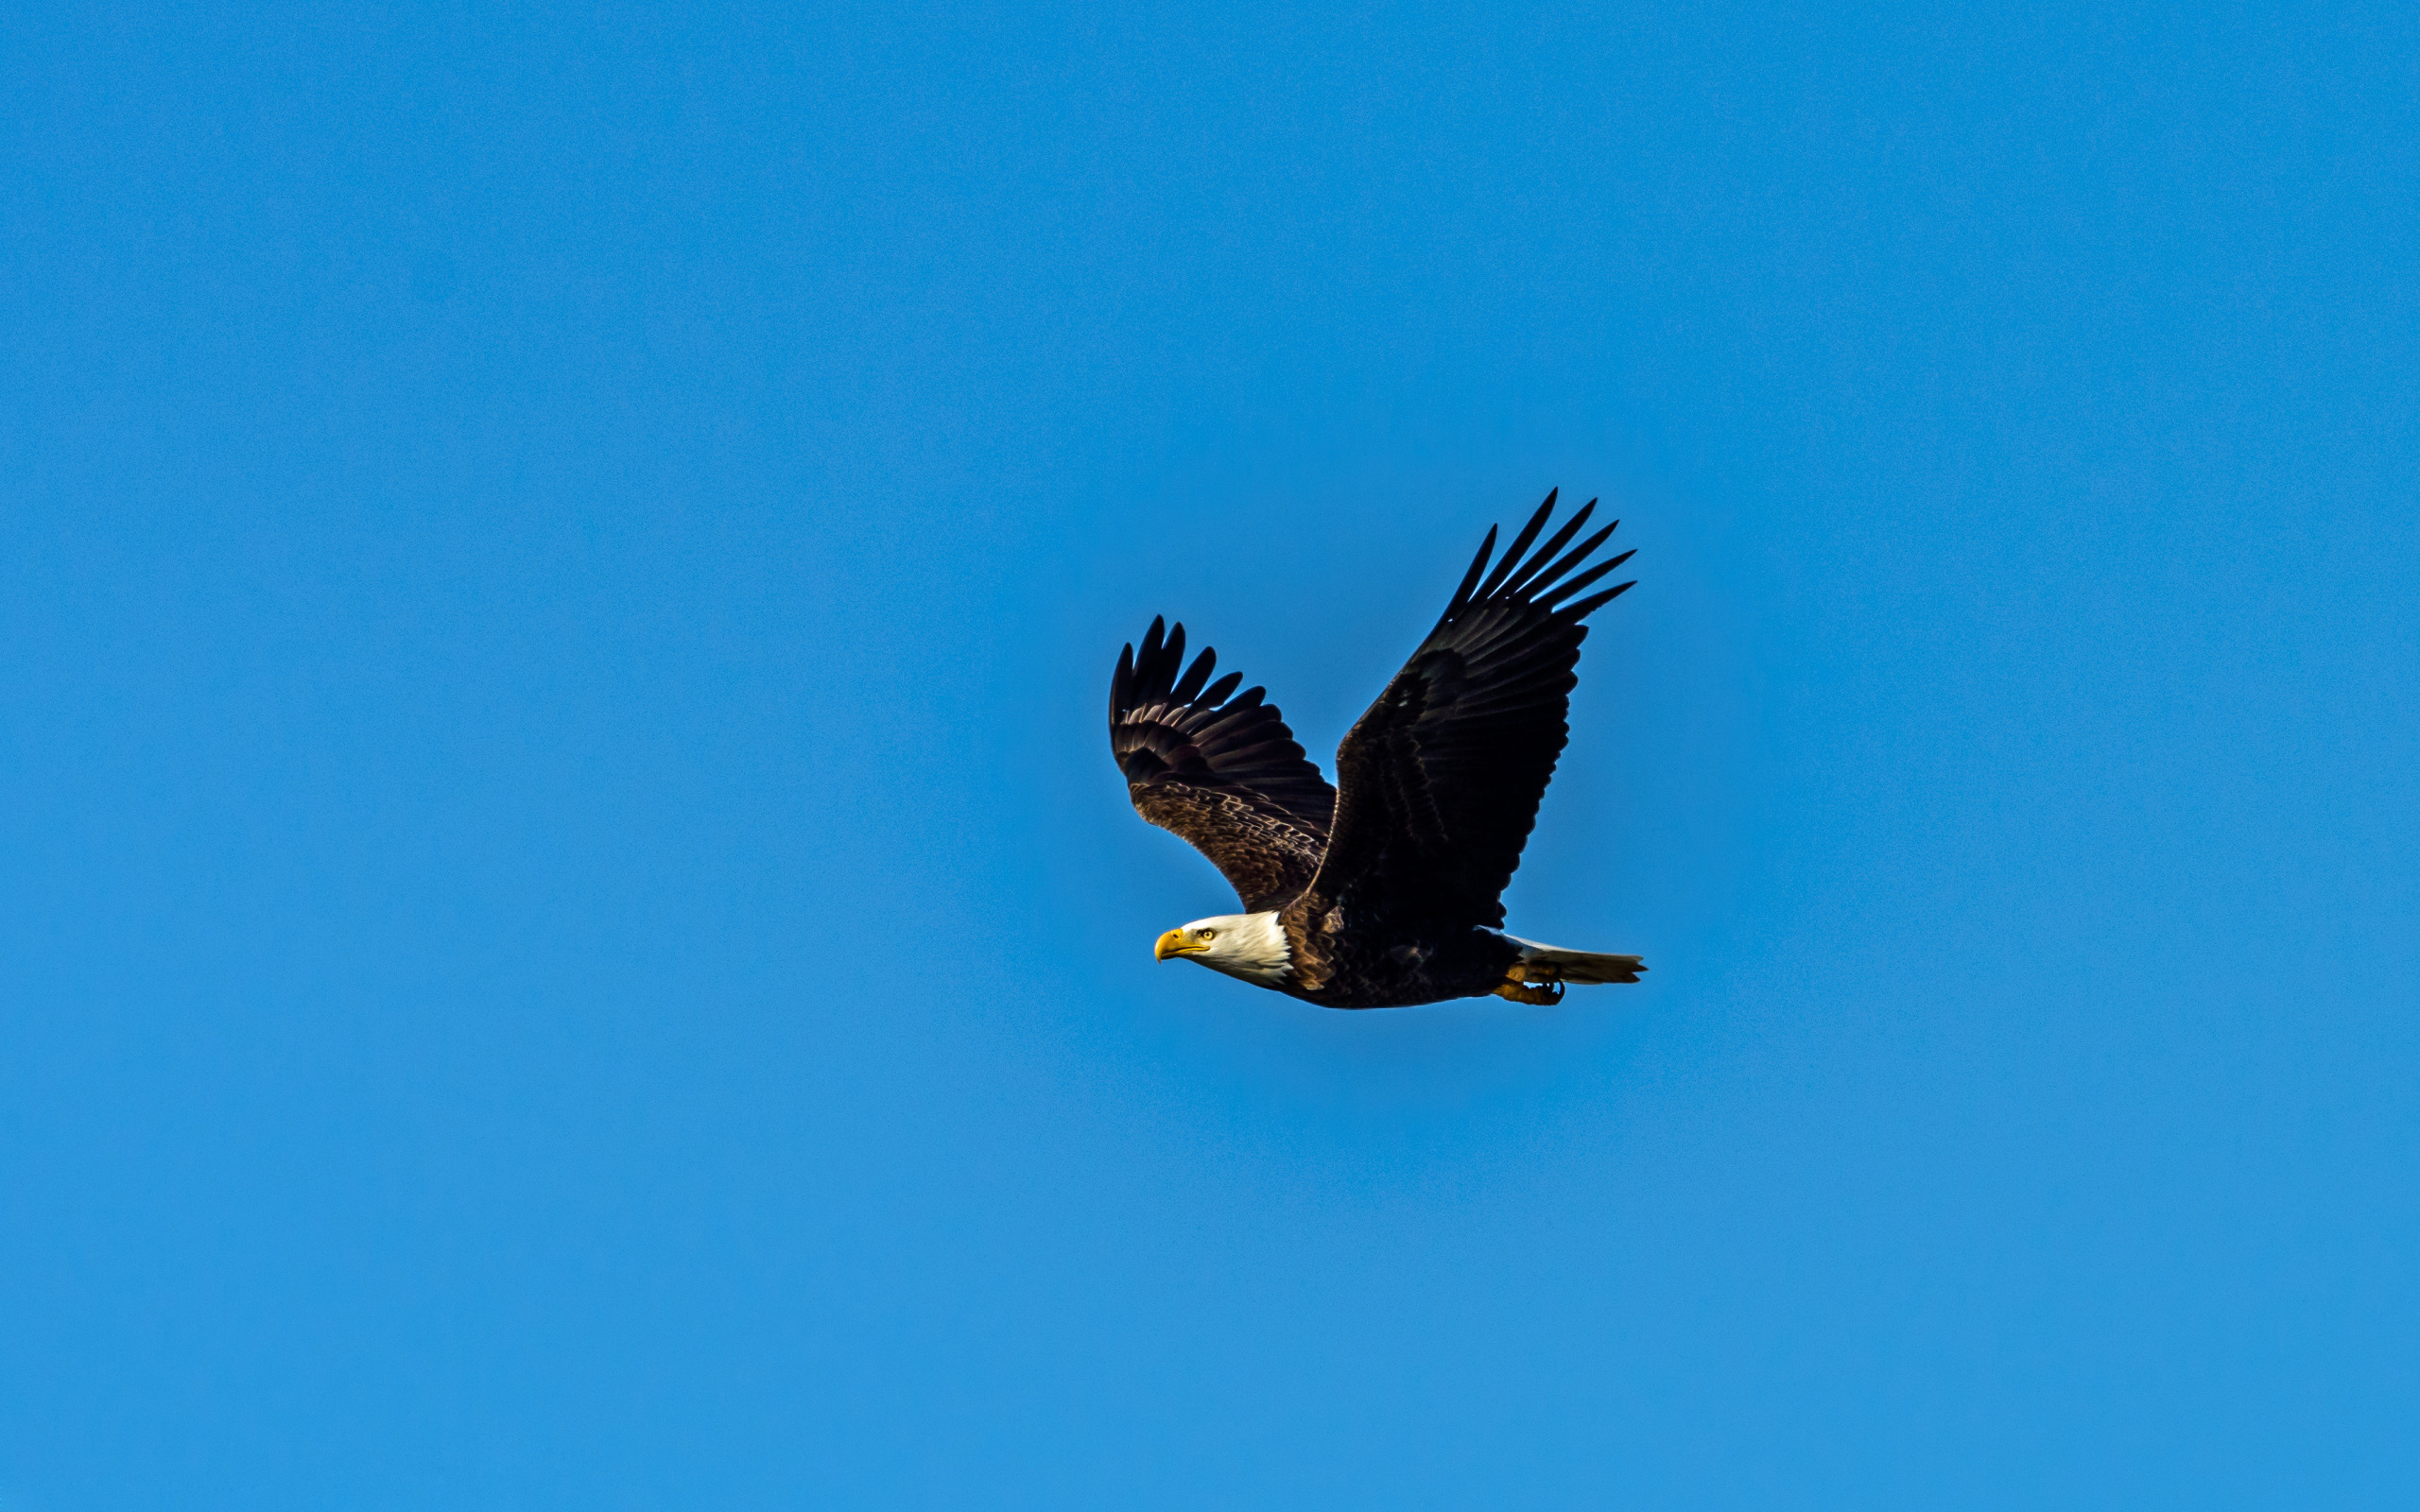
<point x="1440" y="778"/>
<point x="1222" y="772"/>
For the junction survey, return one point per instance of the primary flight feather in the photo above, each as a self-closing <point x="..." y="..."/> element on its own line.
<point x="1386" y="889"/>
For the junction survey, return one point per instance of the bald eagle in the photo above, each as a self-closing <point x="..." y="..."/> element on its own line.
<point x="1384" y="890"/>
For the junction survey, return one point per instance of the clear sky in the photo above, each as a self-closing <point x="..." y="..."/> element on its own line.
<point x="570" y="939"/>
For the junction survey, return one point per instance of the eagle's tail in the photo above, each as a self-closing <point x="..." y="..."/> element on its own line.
<point x="1552" y="963"/>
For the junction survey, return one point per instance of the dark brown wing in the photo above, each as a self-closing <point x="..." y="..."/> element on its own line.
<point x="1222" y="772"/>
<point x="1440" y="778"/>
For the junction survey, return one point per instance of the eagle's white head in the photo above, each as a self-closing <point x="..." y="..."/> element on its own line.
<point x="1251" y="946"/>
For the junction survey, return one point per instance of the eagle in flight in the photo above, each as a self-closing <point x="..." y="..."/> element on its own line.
<point x="1385" y="889"/>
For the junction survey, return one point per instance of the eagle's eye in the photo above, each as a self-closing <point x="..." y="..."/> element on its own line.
<point x="1209" y="934"/>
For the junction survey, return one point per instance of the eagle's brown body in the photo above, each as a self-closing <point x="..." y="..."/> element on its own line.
<point x="1387" y="887"/>
<point x="1340" y="966"/>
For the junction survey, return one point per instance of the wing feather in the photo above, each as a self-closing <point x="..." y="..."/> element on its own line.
<point x="1218" y="768"/>
<point x="1440" y="780"/>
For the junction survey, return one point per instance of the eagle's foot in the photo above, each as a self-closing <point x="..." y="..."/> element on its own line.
<point x="1544" y="995"/>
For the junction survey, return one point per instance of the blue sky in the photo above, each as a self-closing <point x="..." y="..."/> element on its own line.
<point x="571" y="941"/>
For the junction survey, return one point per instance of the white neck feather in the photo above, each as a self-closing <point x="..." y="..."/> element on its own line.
<point x="1251" y="946"/>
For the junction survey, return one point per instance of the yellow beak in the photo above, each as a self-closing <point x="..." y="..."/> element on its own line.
<point x="1177" y="943"/>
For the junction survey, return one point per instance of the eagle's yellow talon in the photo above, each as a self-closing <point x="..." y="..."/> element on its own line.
<point x="1511" y="989"/>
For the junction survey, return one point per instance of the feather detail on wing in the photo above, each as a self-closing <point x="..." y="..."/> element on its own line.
<point x="1440" y="778"/>
<point x="1218" y="768"/>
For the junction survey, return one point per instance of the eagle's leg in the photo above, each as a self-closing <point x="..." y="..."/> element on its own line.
<point x="1515" y="988"/>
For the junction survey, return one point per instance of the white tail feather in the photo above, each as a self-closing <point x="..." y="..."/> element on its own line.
<point x="1552" y="963"/>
